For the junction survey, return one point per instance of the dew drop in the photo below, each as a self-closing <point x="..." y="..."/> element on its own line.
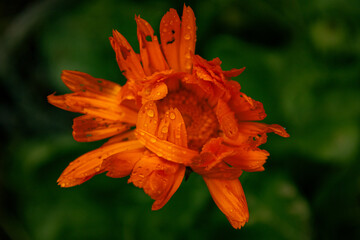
<point x="63" y="185"/>
<point x="188" y="27"/>
<point x="188" y="55"/>
<point x="150" y="113"/>
<point x="187" y="37"/>
<point x="153" y="140"/>
<point x="164" y="130"/>
<point x="172" y="116"/>
<point x="97" y="169"/>
<point x="165" y="30"/>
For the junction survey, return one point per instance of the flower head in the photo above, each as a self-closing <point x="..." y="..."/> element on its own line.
<point x="177" y="111"/>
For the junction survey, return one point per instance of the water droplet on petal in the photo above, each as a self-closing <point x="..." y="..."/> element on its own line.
<point x="153" y="140"/>
<point x="97" y="169"/>
<point x="164" y="130"/>
<point x="172" y="116"/>
<point x="188" y="55"/>
<point x="187" y="37"/>
<point x="150" y="113"/>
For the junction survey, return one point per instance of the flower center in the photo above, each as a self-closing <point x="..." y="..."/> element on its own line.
<point x="200" y="120"/>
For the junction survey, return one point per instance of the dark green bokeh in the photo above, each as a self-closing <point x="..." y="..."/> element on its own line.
<point x="302" y="62"/>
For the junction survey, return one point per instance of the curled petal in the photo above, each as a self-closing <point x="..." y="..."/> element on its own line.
<point x="230" y="199"/>
<point x="89" y="164"/>
<point x="254" y="134"/>
<point x="245" y="108"/>
<point x="248" y="159"/>
<point x="159" y="178"/>
<point x="156" y="92"/>
<point x="211" y="162"/>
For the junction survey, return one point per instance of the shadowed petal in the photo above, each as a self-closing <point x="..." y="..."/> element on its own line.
<point x="230" y="198"/>
<point x="89" y="128"/>
<point x="159" y="178"/>
<point x="89" y="164"/>
<point x="83" y="82"/>
<point x="121" y="164"/>
<point x="94" y="105"/>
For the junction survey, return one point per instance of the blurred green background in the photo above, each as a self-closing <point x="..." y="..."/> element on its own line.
<point x="303" y="63"/>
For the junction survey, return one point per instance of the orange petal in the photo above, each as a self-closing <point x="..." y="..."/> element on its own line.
<point x="148" y="118"/>
<point x="156" y="92"/>
<point x="254" y="133"/>
<point x="90" y="163"/>
<point x="82" y="82"/>
<point x="227" y="120"/>
<point x="166" y="149"/>
<point x="176" y="129"/>
<point x="151" y="56"/>
<point x="126" y="136"/>
<point x="121" y="164"/>
<point x="159" y="178"/>
<point x="233" y="73"/>
<point x="187" y="39"/>
<point x="230" y="199"/>
<point x="211" y="163"/>
<point x="245" y="108"/>
<point x="216" y="150"/>
<point x="250" y="160"/>
<point x="170" y="37"/>
<point x="95" y="105"/>
<point x="89" y="128"/>
<point x="128" y="62"/>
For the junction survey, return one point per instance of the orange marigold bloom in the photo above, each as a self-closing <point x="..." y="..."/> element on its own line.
<point x="177" y="111"/>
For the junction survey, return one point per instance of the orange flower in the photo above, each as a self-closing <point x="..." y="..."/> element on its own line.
<point x="177" y="111"/>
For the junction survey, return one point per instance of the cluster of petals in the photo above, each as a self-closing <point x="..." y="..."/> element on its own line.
<point x="177" y="113"/>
